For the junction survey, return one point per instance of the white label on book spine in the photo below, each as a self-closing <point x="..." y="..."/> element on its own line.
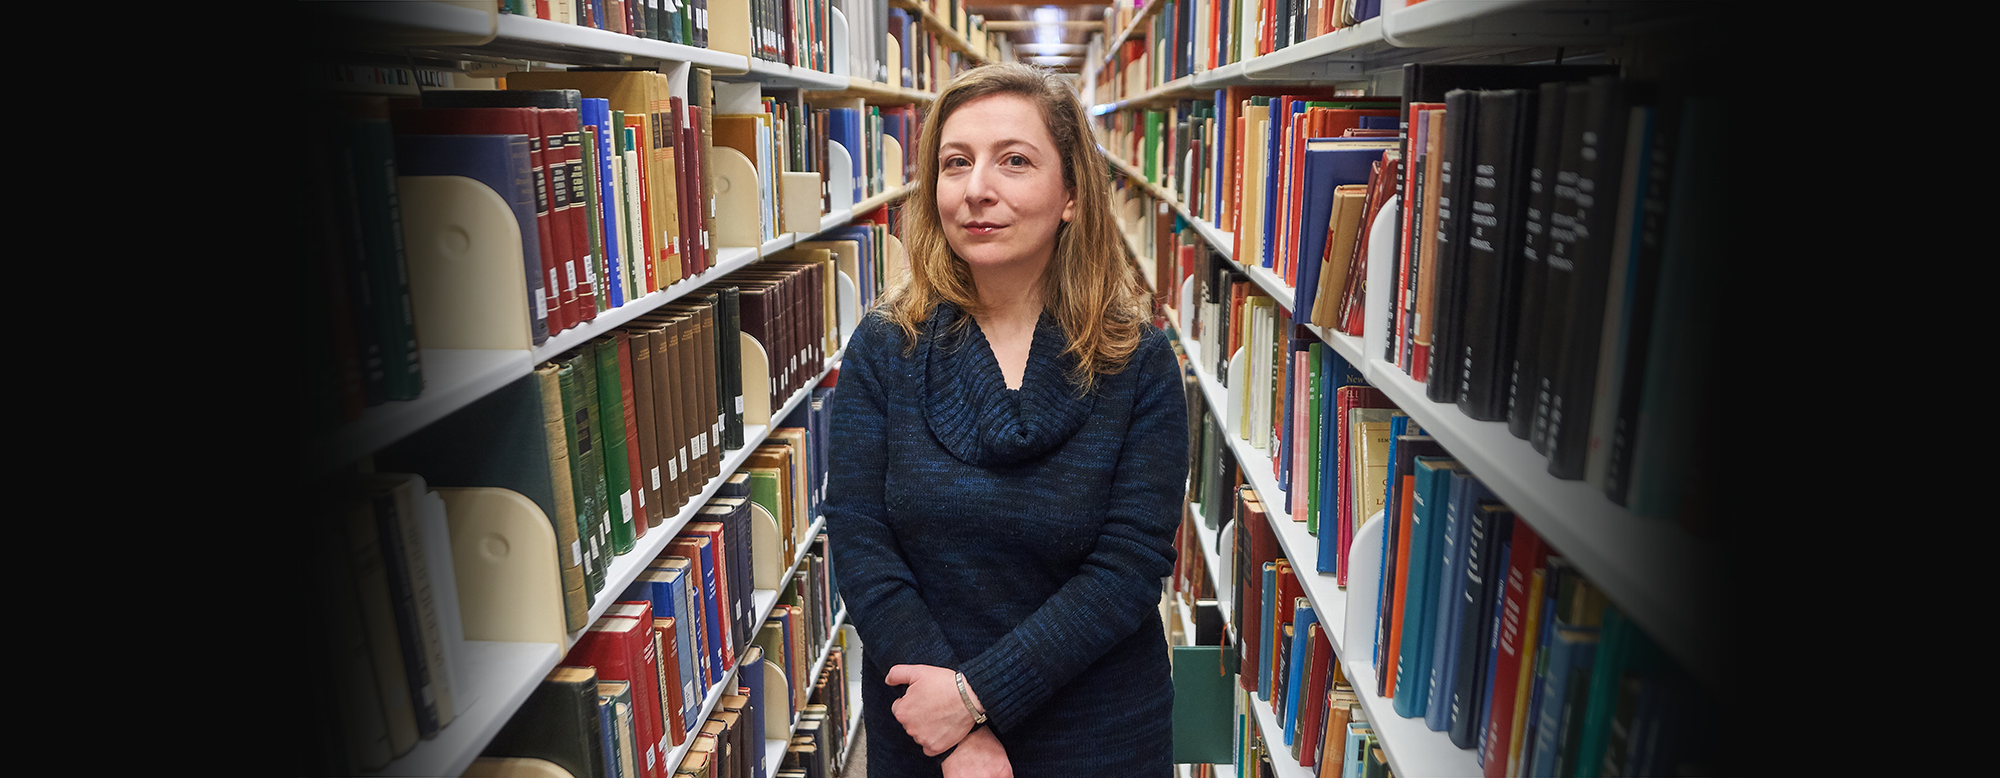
<point x="672" y="473"/>
<point x="656" y="478"/>
<point x="575" y="553"/>
<point x="739" y="403"/>
<point x="569" y="269"/>
<point x="684" y="458"/>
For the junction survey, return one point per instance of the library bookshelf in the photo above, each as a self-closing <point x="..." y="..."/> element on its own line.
<point x="1653" y="570"/>
<point x="494" y="677"/>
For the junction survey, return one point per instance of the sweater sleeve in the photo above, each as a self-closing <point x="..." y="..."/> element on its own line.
<point x="875" y="581"/>
<point x="1119" y="583"/>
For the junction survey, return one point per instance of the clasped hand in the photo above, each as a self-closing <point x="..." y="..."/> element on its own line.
<point x="931" y="711"/>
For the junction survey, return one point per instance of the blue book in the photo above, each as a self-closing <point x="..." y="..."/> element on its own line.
<point x="1571" y="654"/>
<point x="1552" y="583"/>
<point x="1492" y="654"/>
<point x="502" y="163"/>
<point x="1453" y="555"/>
<point x="1420" y="599"/>
<point x="844" y="128"/>
<point x="668" y="594"/>
<point x="1355" y="758"/>
<point x="1380" y="122"/>
<point x="597" y="113"/>
<point x="1334" y="373"/>
<point x="607" y="729"/>
<point x="1295" y="676"/>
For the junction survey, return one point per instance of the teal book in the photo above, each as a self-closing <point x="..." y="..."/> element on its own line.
<point x="1413" y="660"/>
<point x="1623" y="652"/>
<point x="1269" y="607"/>
<point x="1204" y="704"/>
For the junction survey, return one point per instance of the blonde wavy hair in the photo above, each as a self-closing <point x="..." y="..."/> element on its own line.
<point x="1090" y="287"/>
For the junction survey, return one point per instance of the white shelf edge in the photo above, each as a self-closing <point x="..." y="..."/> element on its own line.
<point x="1274" y="738"/>
<point x="520" y="30"/>
<point x="727" y="260"/>
<point x="503" y="675"/>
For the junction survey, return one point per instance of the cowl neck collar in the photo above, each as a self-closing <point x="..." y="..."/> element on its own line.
<point x="973" y="413"/>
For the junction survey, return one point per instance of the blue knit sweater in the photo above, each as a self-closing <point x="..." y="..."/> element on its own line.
<point x="1018" y="536"/>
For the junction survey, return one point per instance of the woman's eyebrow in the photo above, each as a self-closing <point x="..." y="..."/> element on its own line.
<point x="999" y="144"/>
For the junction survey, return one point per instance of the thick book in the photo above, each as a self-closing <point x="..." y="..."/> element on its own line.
<point x="1573" y="392"/>
<point x="378" y="267"/>
<point x="1454" y="212"/>
<point x="557" y="723"/>
<point x="1559" y="260"/>
<point x="1492" y="249"/>
<point x="1524" y="372"/>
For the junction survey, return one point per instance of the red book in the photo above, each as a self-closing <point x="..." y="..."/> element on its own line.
<point x="702" y="566"/>
<point x="569" y="123"/>
<point x="1313" y="696"/>
<point x="727" y="598"/>
<point x="1402" y="526"/>
<point x="1525" y="556"/>
<point x="408" y="119"/>
<point x="1289" y="591"/>
<point x="621" y="648"/>
<point x="1260" y="544"/>
<point x="1405" y="263"/>
<point x="684" y="156"/>
<point x="555" y="174"/>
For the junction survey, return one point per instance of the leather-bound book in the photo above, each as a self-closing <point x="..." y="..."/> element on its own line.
<point x="558" y="723"/>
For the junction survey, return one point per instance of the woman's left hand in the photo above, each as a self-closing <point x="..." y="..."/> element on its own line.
<point x="930" y="710"/>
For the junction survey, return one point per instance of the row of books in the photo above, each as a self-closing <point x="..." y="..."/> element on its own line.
<point x="1185" y="37"/>
<point x="970" y="27"/>
<point x="786" y="131"/>
<point x="1529" y="304"/>
<point x="816" y="748"/>
<point x="675" y="21"/>
<point x="1481" y="628"/>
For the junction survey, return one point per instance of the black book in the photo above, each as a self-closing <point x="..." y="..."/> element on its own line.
<point x="1461" y="117"/>
<point x="1493" y="248"/>
<point x="1661" y="144"/>
<point x="1559" y="261"/>
<point x="558" y="723"/>
<point x="1597" y="203"/>
<point x="1492" y="528"/>
<point x="730" y="365"/>
<point x="1524" y="374"/>
<point x="1208" y="629"/>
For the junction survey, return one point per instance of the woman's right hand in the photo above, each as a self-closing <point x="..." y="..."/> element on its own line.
<point x="979" y="755"/>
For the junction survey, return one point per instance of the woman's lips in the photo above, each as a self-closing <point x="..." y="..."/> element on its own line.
<point x="982" y="228"/>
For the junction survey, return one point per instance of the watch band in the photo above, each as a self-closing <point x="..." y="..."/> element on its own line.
<point x="978" y="716"/>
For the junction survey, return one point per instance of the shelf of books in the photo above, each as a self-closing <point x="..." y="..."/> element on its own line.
<point x="952" y="26"/>
<point x="571" y="372"/>
<point x="1537" y="474"/>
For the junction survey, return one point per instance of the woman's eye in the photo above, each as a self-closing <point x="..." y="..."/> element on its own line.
<point x="1016" y="159"/>
<point x="955" y="162"/>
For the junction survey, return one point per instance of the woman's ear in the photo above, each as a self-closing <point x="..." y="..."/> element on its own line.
<point x="1069" y="208"/>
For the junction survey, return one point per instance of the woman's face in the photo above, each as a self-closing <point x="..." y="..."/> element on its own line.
<point x="1000" y="193"/>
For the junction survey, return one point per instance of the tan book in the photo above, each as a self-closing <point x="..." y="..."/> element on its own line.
<point x="1249" y="247"/>
<point x="1350" y="203"/>
<point x="666" y="424"/>
<point x="704" y="414"/>
<point x="1368" y="445"/>
<point x="569" y="552"/>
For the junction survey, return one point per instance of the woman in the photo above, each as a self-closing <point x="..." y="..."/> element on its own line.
<point x="1009" y="453"/>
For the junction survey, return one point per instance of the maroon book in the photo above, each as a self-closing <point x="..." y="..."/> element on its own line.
<point x="569" y="123"/>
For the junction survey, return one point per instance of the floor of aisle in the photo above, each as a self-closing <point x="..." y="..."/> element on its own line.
<point x="857" y="760"/>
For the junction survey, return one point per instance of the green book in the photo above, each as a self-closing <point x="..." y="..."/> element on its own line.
<point x="617" y="456"/>
<point x="1204" y="704"/>
<point x="595" y="450"/>
<point x="764" y="490"/>
<point x="1623" y="652"/>
<point x="1153" y="121"/>
<point x="576" y="433"/>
